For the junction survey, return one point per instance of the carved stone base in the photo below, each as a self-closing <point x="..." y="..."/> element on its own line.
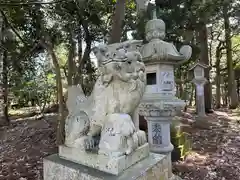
<point x="102" y="162"/>
<point x="150" y="168"/>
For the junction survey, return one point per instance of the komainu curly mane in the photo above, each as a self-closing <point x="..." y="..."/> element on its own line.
<point x="119" y="89"/>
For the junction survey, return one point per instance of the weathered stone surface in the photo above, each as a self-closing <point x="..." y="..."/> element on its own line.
<point x="111" y="111"/>
<point x="174" y="177"/>
<point x="157" y="50"/>
<point x="117" y="136"/>
<point x="150" y="168"/>
<point x="159" y="104"/>
<point x="120" y="86"/>
<point x="102" y="162"/>
<point x="199" y="80"/>
<point x="159" y="112"/>
<point x="116" y="93"/>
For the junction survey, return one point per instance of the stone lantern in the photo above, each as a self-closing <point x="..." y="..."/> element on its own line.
<point x="197" y="73"/>
<point x="159" y="104"/>
<point x="159" y="58"/>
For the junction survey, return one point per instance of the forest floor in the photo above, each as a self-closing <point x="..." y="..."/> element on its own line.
<point x="215" y="154"/>
<point x="215" y="151"/>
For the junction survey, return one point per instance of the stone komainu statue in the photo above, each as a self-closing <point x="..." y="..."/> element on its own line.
<point x="112" y="105"/>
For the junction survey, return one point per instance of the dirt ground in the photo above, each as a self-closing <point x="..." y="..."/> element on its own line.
<point x="216" y="149"/>
<point x="215" y="154"/>
<point x="23" y="146"/>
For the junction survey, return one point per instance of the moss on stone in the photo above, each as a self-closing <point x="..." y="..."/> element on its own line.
<point x="180" y="140"/>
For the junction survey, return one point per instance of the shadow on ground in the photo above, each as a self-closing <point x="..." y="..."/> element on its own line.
<point x="23" y="145"/>
<point x="215" y="151"/>
<point x="215" y="154"/>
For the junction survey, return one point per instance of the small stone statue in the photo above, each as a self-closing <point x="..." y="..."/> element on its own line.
<point x="110" y="112"/>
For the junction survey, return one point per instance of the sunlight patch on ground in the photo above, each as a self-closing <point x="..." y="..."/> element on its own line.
<point x="14" y="112"/>
<point x="196" y="158"/>
<point x="235" y="116"/>
<point x="22" y="111"/>
<point x="36" y="117"/>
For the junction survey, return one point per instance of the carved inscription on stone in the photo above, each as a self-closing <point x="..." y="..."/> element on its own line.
<point x="167" y="81"/>
<point x="156" y="133"/>
<point x="200" y="90"/>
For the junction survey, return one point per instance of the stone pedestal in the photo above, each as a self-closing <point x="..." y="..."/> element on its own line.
<point x="104" y="163"/>
<point x="159" y="134"/>
<point x="159" y="111"/>
<point x="155" y="167"/>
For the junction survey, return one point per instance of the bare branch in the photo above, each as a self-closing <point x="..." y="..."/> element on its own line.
<point x="30" y="52"/>
<point x="65" y="71"/>
<point x="28" y="3"/>
<point x="235" y="47"/>
<point x="14" y="30"/>
<point x="2" y="47"/>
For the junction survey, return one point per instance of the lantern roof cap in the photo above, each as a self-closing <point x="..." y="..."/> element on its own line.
<point x="198" y="63"/>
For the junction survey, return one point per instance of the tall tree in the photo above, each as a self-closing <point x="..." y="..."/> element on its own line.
<point x="1" y="65"/>
<point x="117" y="22"/>
<point x="218" y="73"/>
<point x="232" y="89"/>
<point x="5" y="85"/>
<point x="6" y="39"/>
<point x="48" y="45"/>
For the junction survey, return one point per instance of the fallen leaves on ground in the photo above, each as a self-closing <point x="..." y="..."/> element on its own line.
<point x="216" y="151"/>
<point x="23" y="145"/>
<point x="215" y="154"/>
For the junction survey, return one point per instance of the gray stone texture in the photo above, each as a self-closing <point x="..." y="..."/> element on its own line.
<point x="152" y="168"/>
<point x="102" y="162"/>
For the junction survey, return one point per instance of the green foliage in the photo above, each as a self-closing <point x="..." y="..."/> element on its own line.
<point x="89" y="21"/>
<point x="180" y="140"/>
<point x="62" y="54"/>
<point x="38" y="88"/>
<point x="236" y="50"/>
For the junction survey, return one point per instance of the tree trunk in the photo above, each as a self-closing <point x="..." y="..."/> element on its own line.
<point x="77" y="76"/>
<point x="61" y="121"/>
<point x="232" y="90"/>
<point x="86" y="55"/>
<point x="4" y="78"/>
<point x="191" y="96"/>
<point x="83" y="57"/>
<point x="225" y="92"/>
<point x="1" y="70"/>
<point x="71" y="55"/>
<point x="118" y="18"/>
<point x="238" y="87"/>
<point x="180" y="83"/>
<point x="218" y="75"/>
<point x="203" y="40"/>
<point x="5" y="87"/>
